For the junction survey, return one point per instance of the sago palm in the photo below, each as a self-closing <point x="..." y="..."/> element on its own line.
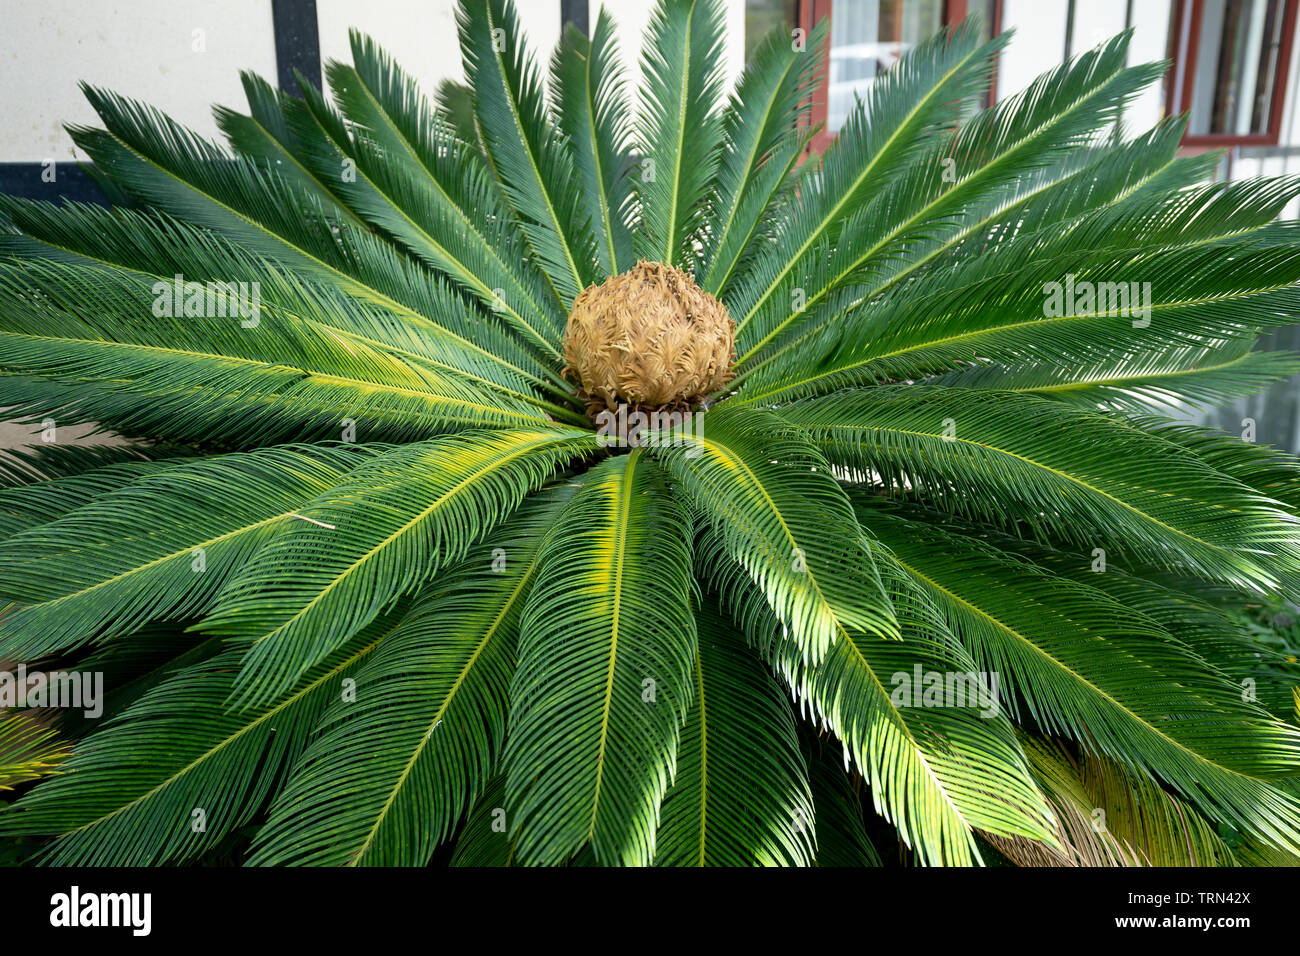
<point x="559" y="472"/>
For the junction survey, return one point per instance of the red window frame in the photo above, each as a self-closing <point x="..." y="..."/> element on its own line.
<point x="1188" y="14"/>
<point x="810" y="12"/>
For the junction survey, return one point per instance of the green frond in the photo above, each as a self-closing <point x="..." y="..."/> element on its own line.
<point x="904" y="111"/>
<point x="174" y="170"/>
<point x="1089" y="667"/>
<point x="171" y="168"/>
<point x="1081" y="476"/>
<point x="978" y="168"/>
<point x="1270" y="471"/>
<point x="28" y="750"/>
<point x="415" y="180"/>
<point x="238" y="370"/>
<point x="1163" y="381"/>
<point x="842" y="839"/>
<point x="762" y="144"/>
<point x="937" y="768"/>
<point x="1049" y="197"/>
<point x="159" y="545"/>
<point x="604" y="679"/>
<point x="267" y="136"/>
<point x="591" y="112"/>
<point x="1192" y="613"/>
<point x="1254" y="854"/>
<point x="157" y="248"/>
<point x="379" y="534"/>
<point x="397" y="762"/>
<point x="455" y="106"/>
<point x="740" y="796"/>
<point x="37" y="487"/>
<point x="782" y="518"/>
<point x="680" y="130"/>
<point x="527" y="153"/>
<point x="485" y="839"/>
<point x="28" y="466"/>
<point x="132" y="668"/>
<point x="178" y="771"/>
<point x="1009" y="304"/>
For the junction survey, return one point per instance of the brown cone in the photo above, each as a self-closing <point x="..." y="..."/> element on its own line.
<point x="650" y="338"/>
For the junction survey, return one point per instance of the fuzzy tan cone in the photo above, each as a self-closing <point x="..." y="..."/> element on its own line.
<point x="650" y="338"/>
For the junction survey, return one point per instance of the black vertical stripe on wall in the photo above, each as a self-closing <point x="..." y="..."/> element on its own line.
<point x="575" y="12"/>
<point x="1069" y="30"/>
<point x="297" y="42"/>
<point x="32" y="181"/>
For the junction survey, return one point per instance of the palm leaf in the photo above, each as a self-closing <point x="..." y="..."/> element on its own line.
<point x="1089" y="667"/>
<point x="267" y="135"/>
<point x="936" y="772"/>
<point x="903" y="112"/>
<point x="1195" y="377"/>
<point x="986" y="158"/>
<point x="604" y="675"/>
<point x="160" y="547"/>
<point x="177" y="771"/>
<point x="1051" y="197"/>
<point x="1000" y="306"/>
<point x="842" y="838"/>
<point x="740" y="796"/>
<point x="783" y="519"/>
<point x="527" y="153"/>
<point x="971" y="452"/>
<point x="156" y="247"/>
<point x="485" y="839"/>
<point x="588" y="91"/>
<point x="418" y="182"/>
<point x="681" y="134"/>
<point x="72" y="324"/>
<point x="419" y="738"/>
<point x="173" y="169"/>
<point x="28" y="751"/>
<point x="381" y="533"/>
<point x="1113" y="817"/>
<point x="761" y="147"/>
<point x="71" y="480"/>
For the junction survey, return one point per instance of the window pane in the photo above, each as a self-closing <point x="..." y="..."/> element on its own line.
<point x="987" y="9"/>
<point x="1236" y="66"/>
<point x="763" y="16"/>
<point x="867" y="38"/>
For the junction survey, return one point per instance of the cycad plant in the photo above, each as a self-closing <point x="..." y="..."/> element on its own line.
<point x="555" y="473"/>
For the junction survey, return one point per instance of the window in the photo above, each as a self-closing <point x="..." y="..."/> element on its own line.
<point x="1230" y="64"/>
<point x="764" y="16"/>
<point x="867" y="38"/>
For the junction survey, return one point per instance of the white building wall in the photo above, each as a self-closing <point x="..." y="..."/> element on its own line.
<point x="149" y="50"/>
<point x="1037" y="46"/>
<point x="185" y="55"/>
<point x="1039" y="43"/>
<point x="1150" y="43"/>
